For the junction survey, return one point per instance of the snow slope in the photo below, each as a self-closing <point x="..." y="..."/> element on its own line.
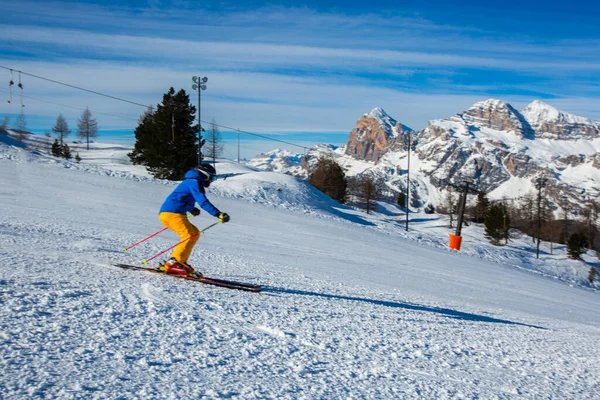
<point x="354" y="307"/>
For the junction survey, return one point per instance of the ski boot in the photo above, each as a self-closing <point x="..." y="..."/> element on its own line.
<point x="174" y="267"/>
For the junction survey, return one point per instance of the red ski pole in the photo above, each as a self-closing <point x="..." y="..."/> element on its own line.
<point x="164" y="251"/>
<point x="177" y="244"/>
<point x="151" y="236"/>
<point x="143" y="240"/>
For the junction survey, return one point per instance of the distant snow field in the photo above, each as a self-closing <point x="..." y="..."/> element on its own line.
<point x="354" y="306"/>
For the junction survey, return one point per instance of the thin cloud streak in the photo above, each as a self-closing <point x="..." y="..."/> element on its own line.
<point x="277" y="70"/>
<point x="254" y="55"/>
<point x="237" y="99"/>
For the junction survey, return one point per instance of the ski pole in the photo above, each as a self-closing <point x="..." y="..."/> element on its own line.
<point x="151" y="236"/>
<point x="164" y="251"/>
<point x="143" y="240"/>
<point x="177" y="244"/>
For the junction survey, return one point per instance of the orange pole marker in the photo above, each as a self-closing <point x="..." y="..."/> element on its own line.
<point x="455" y="242"/>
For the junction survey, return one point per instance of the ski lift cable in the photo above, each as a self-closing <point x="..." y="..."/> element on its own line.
<point x="74" y="107"/>
<point x="146" y="106"/>
<point x="258" y="135"/>
<point x="78" y="87"/>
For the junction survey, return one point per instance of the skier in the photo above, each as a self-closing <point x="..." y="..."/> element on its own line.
<point x="173" y="214"/>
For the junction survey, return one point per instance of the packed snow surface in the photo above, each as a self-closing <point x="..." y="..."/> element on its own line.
<point x="353" y="307"/>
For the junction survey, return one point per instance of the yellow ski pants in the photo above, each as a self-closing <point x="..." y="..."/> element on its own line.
<point x="180" y="224"/>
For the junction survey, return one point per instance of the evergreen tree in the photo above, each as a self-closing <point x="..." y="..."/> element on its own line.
<point x="87" y="127"/>
<point x="330" y="179"/>
<point x="214" y="146"/>
<point x="66" y="151"/>
<point x="592" y="274"/>
<point x="167" y="155"/>
<point x="481" y="207"/>
<point x="497" y="223"/>
<point x="61" y="128"/>
<point x="77" y="158"/>
<point x="576" y="245"/>
<point x="56" y="148"/>
<point x="401" y="199"/>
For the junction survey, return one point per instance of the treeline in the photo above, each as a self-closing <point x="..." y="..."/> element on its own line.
<point x="501" y="219"/>
<point x="87" y="129"/>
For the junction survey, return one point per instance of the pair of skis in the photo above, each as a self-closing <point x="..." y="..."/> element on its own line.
<point x="248" y="287"/>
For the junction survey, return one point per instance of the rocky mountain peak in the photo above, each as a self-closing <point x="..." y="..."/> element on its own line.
<point x="551" y="123"/>
<point x="498" y="115"/>
<point x="389" y="124"/>
<point x="537" y="112"/>
<point x="372" y="135"/>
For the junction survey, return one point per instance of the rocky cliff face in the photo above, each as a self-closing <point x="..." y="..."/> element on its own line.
<point x="500" y="149"/>
<point x="497" y="115"/>
<point x="373" y="134"/>
<point x="550" y="123"/>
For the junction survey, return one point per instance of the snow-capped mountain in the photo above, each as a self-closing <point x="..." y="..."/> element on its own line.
<point x="548" y="122"/>
<point x="373" y="134"/>
<point x="499" y="148"/>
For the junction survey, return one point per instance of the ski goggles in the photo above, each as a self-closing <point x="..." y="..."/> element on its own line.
<point x="207" y="176"/>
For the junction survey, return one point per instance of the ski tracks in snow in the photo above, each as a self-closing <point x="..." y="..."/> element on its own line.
<point x="73" y="326"/>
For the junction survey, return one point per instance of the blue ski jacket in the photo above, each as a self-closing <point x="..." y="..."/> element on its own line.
<point x="189" y="192"/>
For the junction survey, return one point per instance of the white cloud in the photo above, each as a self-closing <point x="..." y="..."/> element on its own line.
<point x="282" y="70"/>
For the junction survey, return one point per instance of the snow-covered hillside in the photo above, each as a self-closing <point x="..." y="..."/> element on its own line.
<point x="354" y="307"/>
<point x="501" y="150"/>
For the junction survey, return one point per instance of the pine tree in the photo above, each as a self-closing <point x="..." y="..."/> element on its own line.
<point x="61" y="128"/>
<point x="481" y="207"/>
<point x="167" y="155"/>
<point x="214" y="146"/>
<point x="66" y="151"/>
<point x="77" y="158"/>
<point x="497" y="223"/>
<point x="87" y="127"/>
<point x="330" y="179"/>
<point x="401" y="199"/>
<point x="56" y="149"/>
<point x="576" y="245"/>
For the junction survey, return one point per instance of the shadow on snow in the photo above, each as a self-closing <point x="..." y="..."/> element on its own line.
<point x="446" y="312"/>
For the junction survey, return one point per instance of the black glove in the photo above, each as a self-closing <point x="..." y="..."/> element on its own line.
<point x="195" y="212"/>
<point x="224" y="217"/>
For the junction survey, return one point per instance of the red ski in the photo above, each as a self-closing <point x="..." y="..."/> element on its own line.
<point x="248" y="287"/>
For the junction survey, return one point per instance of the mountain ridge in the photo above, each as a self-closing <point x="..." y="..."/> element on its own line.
<point x="501" y="149"/>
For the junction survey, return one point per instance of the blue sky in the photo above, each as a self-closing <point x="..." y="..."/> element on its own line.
<point x="276" y="68"/>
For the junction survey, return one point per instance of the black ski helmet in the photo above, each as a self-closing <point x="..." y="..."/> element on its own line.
<point x="207" y="172"/>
